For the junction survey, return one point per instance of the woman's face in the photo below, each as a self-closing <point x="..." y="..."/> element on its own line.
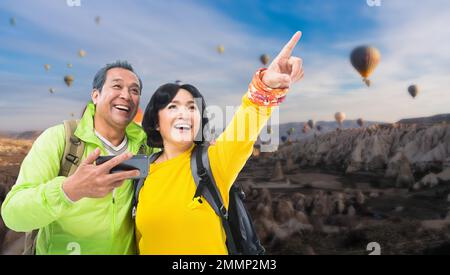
<point x="179" y="121"/>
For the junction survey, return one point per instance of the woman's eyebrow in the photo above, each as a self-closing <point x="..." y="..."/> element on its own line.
<point x="178" y="102"/>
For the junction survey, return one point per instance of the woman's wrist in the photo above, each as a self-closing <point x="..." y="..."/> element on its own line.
<point x="261" y="94"/>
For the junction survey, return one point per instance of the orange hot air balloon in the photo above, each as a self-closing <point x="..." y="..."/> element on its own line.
<point x="81" y="53"/>
<point x="365" y="59"/>
<point x="139" y="116"/>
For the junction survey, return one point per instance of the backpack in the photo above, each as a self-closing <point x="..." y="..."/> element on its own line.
<point x="73" y="152"/>
<point x="236" y="221"/>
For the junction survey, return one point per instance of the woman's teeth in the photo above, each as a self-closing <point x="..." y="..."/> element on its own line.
<point x="183" y="127"/>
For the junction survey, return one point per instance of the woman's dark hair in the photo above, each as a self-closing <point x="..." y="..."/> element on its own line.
<point x="160" y="99"/>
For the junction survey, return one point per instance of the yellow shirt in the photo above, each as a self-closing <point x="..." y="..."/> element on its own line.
<point x="168" y="220"/>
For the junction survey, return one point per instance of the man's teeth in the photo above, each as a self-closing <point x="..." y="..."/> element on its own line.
<point x="183" y="126"/>
<point x="122" y="107"/>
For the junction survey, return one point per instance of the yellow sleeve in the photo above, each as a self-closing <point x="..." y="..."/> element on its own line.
<point x="235" y="145"/>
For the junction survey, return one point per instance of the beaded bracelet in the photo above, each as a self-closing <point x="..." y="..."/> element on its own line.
<point x="260" y="94"/>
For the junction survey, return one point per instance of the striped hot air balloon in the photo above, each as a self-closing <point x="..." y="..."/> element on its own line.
<point x="365" y="59"/>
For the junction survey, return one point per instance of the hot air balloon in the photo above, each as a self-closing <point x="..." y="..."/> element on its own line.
<point x="12" y="21"/>
<point x="311" y="123"/>
<point x="291" y="131"/>
<point x="413" y="90"/>
<point x="69" y="65"/>
<point x="365" y="59"/>
<point x="178" y="82"/>
<point x="319" y="128"/>
<point x="68" y="79"/>
<point x="283" y="138"/>
<point x="139" y="116"/>
<point x="97" y="20"/>
<point x="340" y="117"/>
<point x="72" y="114"/>
<point x="47" y="67"/>
<point x="264" y="59"/>
<point x="51" y="90"/>
<point x="82" y="53"/>
<point x="360" y="122"/>
<point x="220" y="49"/>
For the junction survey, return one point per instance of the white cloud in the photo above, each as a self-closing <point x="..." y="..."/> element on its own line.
<point x="168" y="41"/>
<point x="414" y="43"/>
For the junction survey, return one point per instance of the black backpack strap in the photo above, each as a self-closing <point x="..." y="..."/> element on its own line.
<point x="206" y="186"/>
<point x="139" y="183"/>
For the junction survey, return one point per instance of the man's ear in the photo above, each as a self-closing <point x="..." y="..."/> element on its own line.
<point x="94" y="95"/>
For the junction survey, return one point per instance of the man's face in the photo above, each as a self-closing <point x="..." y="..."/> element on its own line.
<point x="117" y="103"/>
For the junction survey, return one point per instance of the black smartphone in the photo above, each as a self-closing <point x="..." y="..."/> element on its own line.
<point x="137" y="162"/>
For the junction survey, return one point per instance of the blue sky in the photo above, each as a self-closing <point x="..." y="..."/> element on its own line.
<point x="171" y="40"/>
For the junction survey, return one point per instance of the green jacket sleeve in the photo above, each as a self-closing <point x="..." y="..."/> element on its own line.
<point x="37" y="198"/>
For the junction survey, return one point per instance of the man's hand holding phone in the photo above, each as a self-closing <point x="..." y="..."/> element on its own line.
<point x="96" y="181"/>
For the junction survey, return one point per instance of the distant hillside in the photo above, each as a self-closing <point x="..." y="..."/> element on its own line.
<point x="327" y="126"/>
<point x="28" y="135"/>
<point x="427" y="120"/>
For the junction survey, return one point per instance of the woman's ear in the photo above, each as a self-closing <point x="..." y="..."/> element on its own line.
<point x="157" y="127"/>
<point x="94" y="96"/>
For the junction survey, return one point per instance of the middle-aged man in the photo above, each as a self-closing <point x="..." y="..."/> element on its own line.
<point x="88" y="212"/>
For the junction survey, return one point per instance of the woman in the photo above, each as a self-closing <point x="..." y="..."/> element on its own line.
<point x="168" y="219"/>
